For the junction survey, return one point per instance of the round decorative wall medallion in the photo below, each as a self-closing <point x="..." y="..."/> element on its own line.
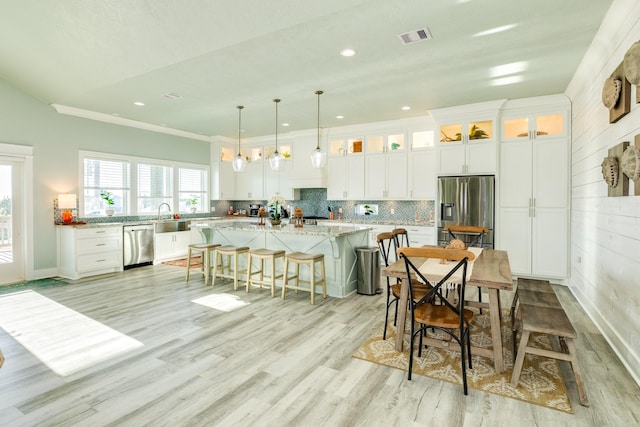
<point x="632" y="64"/>
<point x="611" y="92"/>
<point x="630" y="163"/>
<point x="610" y="170"/>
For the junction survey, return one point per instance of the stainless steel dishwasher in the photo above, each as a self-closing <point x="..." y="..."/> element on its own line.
<point x="138" y="245"/>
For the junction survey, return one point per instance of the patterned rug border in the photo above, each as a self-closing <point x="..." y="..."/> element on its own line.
<point x="561" y="402"/>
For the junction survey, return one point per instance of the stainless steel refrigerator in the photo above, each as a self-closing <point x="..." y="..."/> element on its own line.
<point x="466" y="200"/>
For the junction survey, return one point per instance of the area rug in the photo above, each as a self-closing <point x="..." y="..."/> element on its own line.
<point x="63" y="339"/>
<point x="541" y="380"/>
<point x="195" y="262"/>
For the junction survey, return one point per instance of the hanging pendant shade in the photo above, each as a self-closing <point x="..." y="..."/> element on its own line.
<point x="276" y="160"/>
<point x="318" y="157"/>
<point x="239" y="163"/>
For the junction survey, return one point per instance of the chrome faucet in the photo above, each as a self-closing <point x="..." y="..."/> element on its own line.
<point x="167" y="204"/>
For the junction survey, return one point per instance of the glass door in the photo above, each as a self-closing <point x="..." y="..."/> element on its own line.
<point x="11" y="258"/>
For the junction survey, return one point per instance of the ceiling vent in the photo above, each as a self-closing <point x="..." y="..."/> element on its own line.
<point x="416" y="36"/>
<point x="172" y="95"/>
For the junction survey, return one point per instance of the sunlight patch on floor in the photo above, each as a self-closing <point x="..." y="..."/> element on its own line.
<point x="222" y="302"/>
<point x="63" y="339"/>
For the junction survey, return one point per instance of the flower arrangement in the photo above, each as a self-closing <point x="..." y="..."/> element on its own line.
<point x="275" y="202"/>
<point x="107" y="196"/>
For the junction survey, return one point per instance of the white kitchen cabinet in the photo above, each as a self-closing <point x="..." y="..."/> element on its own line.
<point x="467" y="138"/>
<point x="534" y="205"/>
<point x="386" y="176"/>
<point x="173" y="245"/>
<point x="250" y="183"/>
<point x="345" y="177"/>
<point x="87" y="251"/>
<point x="423" y="174"/>
<point x="420" y="235"/>
<point x="468" y="158"/>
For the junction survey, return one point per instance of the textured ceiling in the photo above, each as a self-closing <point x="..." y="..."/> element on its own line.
<point x="101" y="56"/>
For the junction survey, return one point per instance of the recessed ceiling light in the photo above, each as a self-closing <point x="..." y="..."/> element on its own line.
<point x="339" y="117"/>
<point x="285" y="124"/>
<point x="347" y="52"/>
<point x="406" y="108"/>
<point x="139" y="103"/>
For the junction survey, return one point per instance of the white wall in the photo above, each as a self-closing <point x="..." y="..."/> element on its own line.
<point x="605" y="231"/>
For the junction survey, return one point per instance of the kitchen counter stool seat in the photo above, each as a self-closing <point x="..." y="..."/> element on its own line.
<point x="311" y="260"/>
<point x="205" y="250"/>
<point x="226" y="270"/>
<point x="263" y="255"/>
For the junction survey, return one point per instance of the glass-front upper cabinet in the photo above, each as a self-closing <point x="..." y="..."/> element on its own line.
<point x="422" y="139"/>
<point x="385" y="143"/>
<point x="344" y="146"/>
<point x="533" y="126"/>
<point x="285" y="150"/>
<point x="227" y="154"/>
<point x="466" y="131"/>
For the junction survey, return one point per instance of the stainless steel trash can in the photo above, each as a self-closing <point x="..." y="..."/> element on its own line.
<point x="368" y="262"/>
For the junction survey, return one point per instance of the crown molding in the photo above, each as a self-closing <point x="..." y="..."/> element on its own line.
<point x="120" y="121"/>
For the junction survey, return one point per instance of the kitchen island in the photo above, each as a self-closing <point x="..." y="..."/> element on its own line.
<point x="337" y="243"/>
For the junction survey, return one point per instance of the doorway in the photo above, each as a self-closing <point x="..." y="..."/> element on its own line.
<point x="11" y="220"/>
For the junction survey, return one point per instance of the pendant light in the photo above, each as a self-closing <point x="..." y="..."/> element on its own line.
<point x="318" y="158"/>
<point x="239" y="163"/>
<point x="276" y="160"/>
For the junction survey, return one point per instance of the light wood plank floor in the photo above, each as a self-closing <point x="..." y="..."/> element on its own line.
<point x="270" y="363"/>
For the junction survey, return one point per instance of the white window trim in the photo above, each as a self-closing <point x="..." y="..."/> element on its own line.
<point x="133" y="188"/>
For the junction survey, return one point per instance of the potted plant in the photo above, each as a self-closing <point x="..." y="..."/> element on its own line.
<point x="107" y="196"/>
<point x="193" y="203"/>
<point x="275" y="203"/>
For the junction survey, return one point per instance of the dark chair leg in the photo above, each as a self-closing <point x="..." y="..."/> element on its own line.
<point x="386" y="315"/>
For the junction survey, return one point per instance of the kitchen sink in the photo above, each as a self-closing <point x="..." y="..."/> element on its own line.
<point x="172" y="225"/>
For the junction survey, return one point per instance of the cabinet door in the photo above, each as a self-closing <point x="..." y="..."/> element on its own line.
<point x="550" y="231"/>
<point x="481" y="157"/>
<point x="514" y="236"/>
<point x="452" y="159"/>
<point x="226" y="184"/>
<point x="355" y="177"/>
<point x="515" y="174"/>
<point x="181" y="242"/>
<point x="249" y="184"/>
<point x="336" y="178"/>
<point x="375" y="182"/>
<point x="423" y="175"/>
<point x="163" y="246"/>
<point x="396" y="174"/>
<point x="551" y="171"/>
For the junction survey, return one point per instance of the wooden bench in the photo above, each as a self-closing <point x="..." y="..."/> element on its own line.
<point x="541" y="312"/>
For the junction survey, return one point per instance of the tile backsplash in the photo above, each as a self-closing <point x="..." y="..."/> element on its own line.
<point x="313" y="202"/>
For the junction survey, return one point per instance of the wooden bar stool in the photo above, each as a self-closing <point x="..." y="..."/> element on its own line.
<point x="204" y="249"/>
<point x="226" y="270"/>
<point x="263" y="255"/>
<point x="309" y="259"/>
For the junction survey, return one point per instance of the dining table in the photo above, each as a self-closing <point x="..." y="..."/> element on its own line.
<point x="490" y="270"/>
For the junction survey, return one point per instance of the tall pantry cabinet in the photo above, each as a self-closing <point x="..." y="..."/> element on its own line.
<point x="533" y="224"/>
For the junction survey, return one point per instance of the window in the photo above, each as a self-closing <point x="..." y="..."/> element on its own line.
<point x="192" y="189"/>
<point x="154" y="187"/>
<point x="140" y="185"/>
<point x="105" y="175"/>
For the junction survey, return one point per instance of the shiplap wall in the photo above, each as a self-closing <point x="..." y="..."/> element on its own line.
<point x="605" y="231"/>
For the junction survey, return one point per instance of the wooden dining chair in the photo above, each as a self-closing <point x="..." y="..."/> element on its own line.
<point x="474" y="238"/>
<point x="386" y="243"/>
<point x="434" y="312"/>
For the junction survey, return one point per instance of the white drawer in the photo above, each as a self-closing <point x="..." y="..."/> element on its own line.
<point x="99" y="261"/>
<point x="87" y="233"/>
<point x="98" y="244"/>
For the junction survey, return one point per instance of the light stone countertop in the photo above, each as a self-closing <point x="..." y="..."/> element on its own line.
<point x="307" y="230"/>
